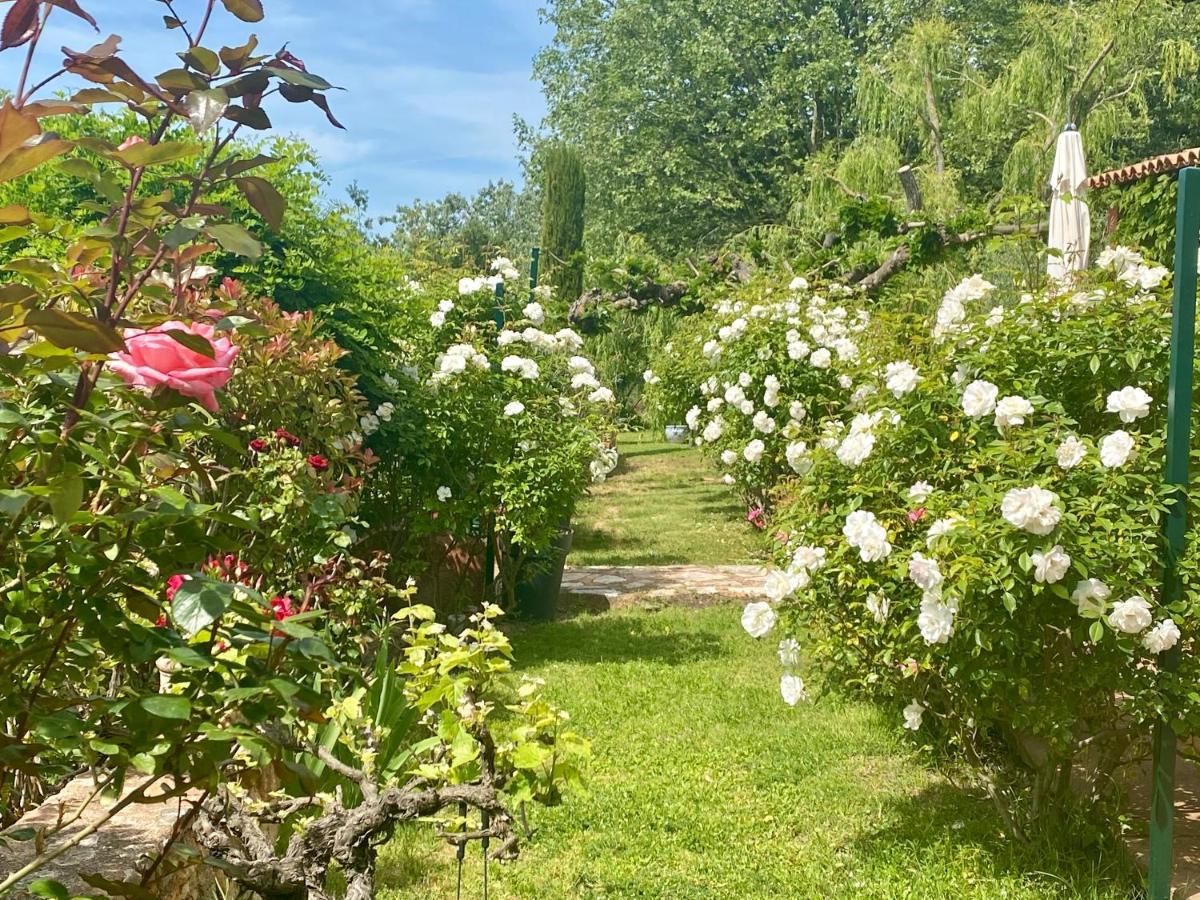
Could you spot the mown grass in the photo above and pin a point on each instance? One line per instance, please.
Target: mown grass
(704, 785)
(662, 506)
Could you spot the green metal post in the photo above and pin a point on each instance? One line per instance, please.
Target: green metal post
(534, 256)
(1179, 432)
(498, 306)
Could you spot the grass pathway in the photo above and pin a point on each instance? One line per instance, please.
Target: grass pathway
(663, 506)
(703, 783)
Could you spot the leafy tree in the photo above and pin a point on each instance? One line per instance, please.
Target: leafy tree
(562, 220)
(468, 232)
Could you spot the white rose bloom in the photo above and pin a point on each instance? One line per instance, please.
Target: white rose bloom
(714, 404)
(935, 620)
(763, 422)
(855, 449)
(1052, 566)
(515, 408)
(385, 411)
(583, 380)
(1115, 449)
(808, 558)
(650, 378)
(863, 532)
(796, 411)
(746, 407)
(744, 380)
(728, 479)
(845, 382)
(692, 417)
(601, 395)
(526, 368)
(798, 284)
(1130, 616)
(789, 653)
(568, 339)
(901, 378)
(1162, 636)
(753, 451)
(912, 715)
(758, 618)
(1032, 509)
(1130, 403)
(920, 491)
(443, 493)
(712, 431)
(820, 359)
(1151, 277)
(780, 584)
(1071, 452)
(1012, 411)
(728, 457)
(579, 364)
(1118, 259)
(369, 423)
(979, 399)
(791, 688)
(798, 458)
(437, 319)
(995, 317)
(535, 313)
(939, 528)
(924, 572)
(1091, 597)
(734, 395)
(973, 288)
(798, 351)
(878, 606)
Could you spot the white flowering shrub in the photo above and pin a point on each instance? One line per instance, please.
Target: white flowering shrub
(752, 375)
(492, 415)
(974, 536)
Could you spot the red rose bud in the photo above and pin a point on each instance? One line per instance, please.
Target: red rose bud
(258, 445)
(318, 462)
(283, 608)
(287, 437)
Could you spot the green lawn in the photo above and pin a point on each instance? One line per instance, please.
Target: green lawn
(704, 785)
(663, 505)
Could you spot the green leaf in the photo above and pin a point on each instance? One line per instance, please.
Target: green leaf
(1096, 631)
(199, 602)
(265, 199)
(197, 343)
(66, 497)
(236, 239)
(254, 117)
(530, 756)
(146, 154)
(298, 78)
(48, 887)
(12, 501)
(205, 108)
(167, 706)
(72, 330)
(203, 59)
(246, 10)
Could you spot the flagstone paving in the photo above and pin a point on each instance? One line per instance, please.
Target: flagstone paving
(618, 583)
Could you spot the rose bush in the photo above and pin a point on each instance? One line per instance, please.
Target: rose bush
(972, 535)
(185, 588)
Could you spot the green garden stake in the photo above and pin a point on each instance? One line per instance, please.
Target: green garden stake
(534, 256)
(498, 306)
(1179, 428)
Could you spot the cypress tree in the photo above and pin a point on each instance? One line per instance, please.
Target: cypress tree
(562, 220)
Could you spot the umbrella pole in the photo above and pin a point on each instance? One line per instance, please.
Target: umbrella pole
(1179, 416)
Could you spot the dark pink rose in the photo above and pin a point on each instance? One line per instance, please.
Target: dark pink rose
(916, 515)
(152, 358)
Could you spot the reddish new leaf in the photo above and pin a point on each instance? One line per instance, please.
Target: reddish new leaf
(75, 9)
(265, 199)
(18, 24)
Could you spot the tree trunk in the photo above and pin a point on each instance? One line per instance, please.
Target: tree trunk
(912, 190)
(935, 124)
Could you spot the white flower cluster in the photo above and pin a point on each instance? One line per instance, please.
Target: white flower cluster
(1130, 268)
(865, 534)
(951, 315)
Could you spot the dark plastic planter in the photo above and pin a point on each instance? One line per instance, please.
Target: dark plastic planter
(537, 594)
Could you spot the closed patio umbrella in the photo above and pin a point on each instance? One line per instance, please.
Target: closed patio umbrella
(1070, 224)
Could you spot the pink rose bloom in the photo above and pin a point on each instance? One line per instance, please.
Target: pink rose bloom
(131, 141)
(153, 358)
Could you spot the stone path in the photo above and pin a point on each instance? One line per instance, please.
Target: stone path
(617, 583)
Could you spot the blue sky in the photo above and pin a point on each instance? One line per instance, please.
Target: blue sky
(431, 85)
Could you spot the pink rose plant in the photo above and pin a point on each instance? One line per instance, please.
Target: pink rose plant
(152, 358)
